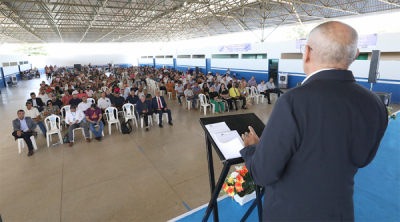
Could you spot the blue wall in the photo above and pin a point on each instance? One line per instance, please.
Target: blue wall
(246, 73)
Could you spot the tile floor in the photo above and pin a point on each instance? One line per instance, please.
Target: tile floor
(143, 176)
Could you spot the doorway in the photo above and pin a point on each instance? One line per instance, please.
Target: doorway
(273, 65)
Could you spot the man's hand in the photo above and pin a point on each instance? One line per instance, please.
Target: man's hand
(158, 109)
(19, 133)
(70, 123)
(98, 121)
(36, 120)
(250, 138)
(165, 109)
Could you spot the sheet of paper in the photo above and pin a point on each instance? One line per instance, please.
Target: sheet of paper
(229, 143)
(220, 127)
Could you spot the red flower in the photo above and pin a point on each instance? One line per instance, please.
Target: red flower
(225, 187)
(239, 179)
(230, 191)
(238, 187)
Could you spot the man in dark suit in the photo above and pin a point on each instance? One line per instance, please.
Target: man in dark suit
(160, 107)
(24, 127)
(36, 102)
(318, 135)
(144, 109)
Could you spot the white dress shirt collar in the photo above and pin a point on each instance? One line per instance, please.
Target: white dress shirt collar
(314, 74)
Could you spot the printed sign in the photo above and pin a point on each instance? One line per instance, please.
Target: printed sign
(367, 41)
(235, 47)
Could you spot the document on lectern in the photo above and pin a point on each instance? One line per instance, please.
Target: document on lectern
(228, 141)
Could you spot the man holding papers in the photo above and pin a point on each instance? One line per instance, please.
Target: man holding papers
(318, 135)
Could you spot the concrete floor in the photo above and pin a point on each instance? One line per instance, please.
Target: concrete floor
(143, 176)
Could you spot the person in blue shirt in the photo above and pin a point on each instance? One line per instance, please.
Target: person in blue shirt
(75, 101)
(132, 98)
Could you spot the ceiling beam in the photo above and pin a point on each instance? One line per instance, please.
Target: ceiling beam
(49, 18)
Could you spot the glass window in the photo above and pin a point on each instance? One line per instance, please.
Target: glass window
(225, 56)
(254, 56)
(183, 56)
(198, 56)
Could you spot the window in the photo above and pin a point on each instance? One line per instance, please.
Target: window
(149, 57)
(198, 56)
(254, 56)
(291, 56)
(26, 62)
(169, 56)
(362, 56)
(13, 63)
(143, 57)
(21, 62)
(225, 56)
(6, 64)
(159, 57)
(183, 56)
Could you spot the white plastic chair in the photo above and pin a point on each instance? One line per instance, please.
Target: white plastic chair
(169, 95)
(53, 126)
(65, 108)
(111, 118)
(204, 104)
(21, 143)
(129, 113)
(256, 94)
(250, 95)
(150, 119)
(158, 117)
(91, 100)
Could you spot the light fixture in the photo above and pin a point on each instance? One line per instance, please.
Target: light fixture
(184, 4)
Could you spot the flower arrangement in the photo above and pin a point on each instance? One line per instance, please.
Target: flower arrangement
(392, 116)
(239, 182)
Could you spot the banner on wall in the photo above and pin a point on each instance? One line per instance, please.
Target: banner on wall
(235, 47)
(367, 41)
(364, 41)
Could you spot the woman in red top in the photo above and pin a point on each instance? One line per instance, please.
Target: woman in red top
(81, 94)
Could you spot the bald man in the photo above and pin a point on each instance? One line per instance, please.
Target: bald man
(318, 135)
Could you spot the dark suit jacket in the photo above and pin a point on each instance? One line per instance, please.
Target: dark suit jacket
(317, 137)
(139, 106)
(39, 101)
(155, 102)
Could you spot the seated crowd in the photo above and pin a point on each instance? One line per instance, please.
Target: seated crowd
(90, 92)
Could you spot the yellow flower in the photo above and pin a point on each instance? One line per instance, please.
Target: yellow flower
(230, 180)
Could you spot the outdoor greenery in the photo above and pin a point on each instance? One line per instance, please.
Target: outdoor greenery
(29, 50)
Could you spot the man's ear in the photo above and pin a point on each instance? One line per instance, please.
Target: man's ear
(306, 54)
(358, 53)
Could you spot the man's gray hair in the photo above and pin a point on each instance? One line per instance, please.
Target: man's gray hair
(143, 96)
(333, 46)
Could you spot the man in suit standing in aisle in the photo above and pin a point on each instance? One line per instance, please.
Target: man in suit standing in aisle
(318, 135)
(160, 107)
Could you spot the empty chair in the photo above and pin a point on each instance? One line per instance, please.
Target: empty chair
(91, 100)
(256, 95)
(112, 119)
(129, 113)
(53, 127)
(64, 111)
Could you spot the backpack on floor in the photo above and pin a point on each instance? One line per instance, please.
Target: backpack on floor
(66, 138)
(126, 127)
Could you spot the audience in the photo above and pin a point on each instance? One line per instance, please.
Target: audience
(74, 119)
(108, 91)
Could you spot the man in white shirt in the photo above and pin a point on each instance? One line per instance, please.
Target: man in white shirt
(74, 119)
(272, 89)
(217, 86)
(84, 105)
(33, 112)
(228, 78)
(179, 91)
(140, 92)
(89, 92)
(262, 88)
(103, 103)
(190, 95)
(43, 96)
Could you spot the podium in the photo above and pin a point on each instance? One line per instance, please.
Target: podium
(240, 123)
